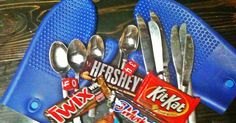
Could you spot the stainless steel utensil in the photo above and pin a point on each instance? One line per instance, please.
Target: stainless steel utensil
(95, 49)
(166, 58)
(157, 46)
(58, 61)
(146, 45)
(176, 54)
(182, 48)
(188, 58)
(182, 36)
(128, 42)
(76, 57)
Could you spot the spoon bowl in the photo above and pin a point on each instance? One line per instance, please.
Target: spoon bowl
(96, 48)
(58, 58)
(76, 55)
(129, 40)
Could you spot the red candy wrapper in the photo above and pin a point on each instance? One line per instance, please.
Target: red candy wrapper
(69, 84)
(130, 67)
(163, 99)
(79, 103)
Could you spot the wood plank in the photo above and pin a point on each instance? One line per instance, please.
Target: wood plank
(21, 19)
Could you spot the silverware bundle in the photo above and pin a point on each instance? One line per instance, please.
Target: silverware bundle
(153, 46)
(182, 48)
(155, 53)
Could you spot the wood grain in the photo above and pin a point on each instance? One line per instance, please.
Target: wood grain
(20, 19)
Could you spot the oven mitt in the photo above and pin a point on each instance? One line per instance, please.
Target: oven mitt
(35, 86)
(214, 70)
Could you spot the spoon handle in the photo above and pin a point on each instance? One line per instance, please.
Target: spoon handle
(124, 61)
(64, 92)
(77, 119)
(118, 61)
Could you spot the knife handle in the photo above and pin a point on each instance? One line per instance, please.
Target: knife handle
(192, 117)
(166, 75)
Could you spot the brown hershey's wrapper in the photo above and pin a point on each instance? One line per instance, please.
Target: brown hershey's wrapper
(77, 104)
(115, 78)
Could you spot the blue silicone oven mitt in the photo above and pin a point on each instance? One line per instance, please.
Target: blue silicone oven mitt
(35, 86)
(214, 71)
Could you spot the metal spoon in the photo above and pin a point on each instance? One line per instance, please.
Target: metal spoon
(128, 42)
(76, 57)
(95, 49)
(58, 60)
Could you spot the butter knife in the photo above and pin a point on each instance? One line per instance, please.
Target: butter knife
(146, 45)
(176, 54)
(166, 58)
(182, 35)
(188, 59)
(157, 45)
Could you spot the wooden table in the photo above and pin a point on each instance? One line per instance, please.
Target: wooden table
(20, 19)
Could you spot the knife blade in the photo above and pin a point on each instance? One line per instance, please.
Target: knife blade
(188, 58)
(176, 54)
(166, 58)
(182, 35)
(157, 45)
(146, 45)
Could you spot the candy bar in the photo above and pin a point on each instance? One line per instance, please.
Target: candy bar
(132, 111)
(165, 100)
(79, 103)
(69, 84)
(130, 67)
(115, 78)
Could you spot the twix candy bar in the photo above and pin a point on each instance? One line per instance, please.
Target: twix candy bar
(115, 78)
(165, 100)
(79, 103)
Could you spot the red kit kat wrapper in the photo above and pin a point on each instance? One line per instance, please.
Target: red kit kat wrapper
(165, 100)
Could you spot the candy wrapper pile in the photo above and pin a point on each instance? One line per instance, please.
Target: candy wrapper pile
(140, 92)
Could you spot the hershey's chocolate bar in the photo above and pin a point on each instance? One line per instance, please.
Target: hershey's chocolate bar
(115, 78)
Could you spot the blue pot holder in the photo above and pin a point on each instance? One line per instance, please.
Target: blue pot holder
(214, 71)
(35, 86)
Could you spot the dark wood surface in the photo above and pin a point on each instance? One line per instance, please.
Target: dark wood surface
(19, 20)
